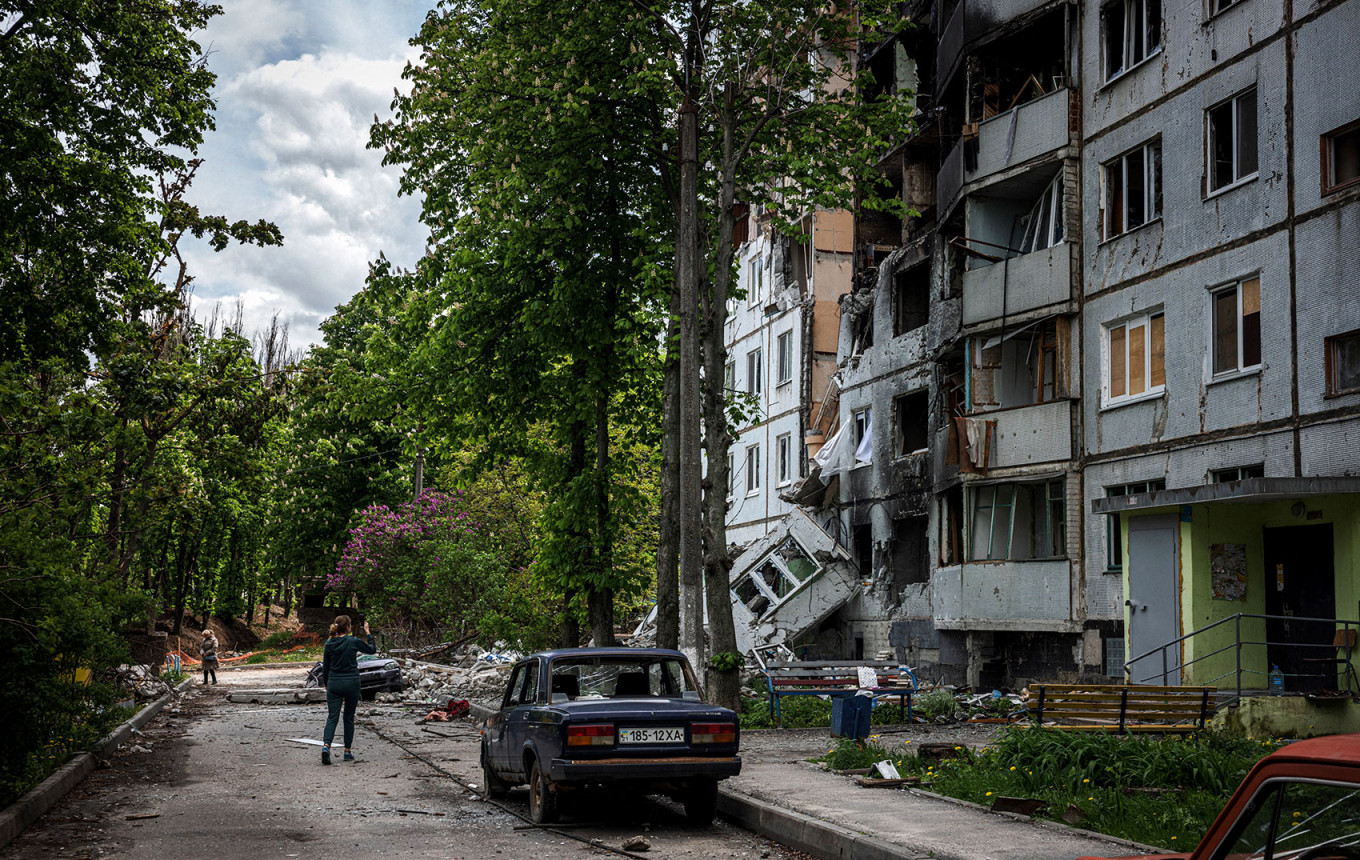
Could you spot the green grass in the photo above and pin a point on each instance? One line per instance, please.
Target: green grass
(809, 712)
(275, 640)
(1180, 783)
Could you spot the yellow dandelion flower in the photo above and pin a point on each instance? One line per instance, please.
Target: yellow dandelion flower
(1084, 781)
(989, 794)
(1012, 767)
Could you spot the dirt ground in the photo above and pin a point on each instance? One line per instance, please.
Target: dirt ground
(208, 778)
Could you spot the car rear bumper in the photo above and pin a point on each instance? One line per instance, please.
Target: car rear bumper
(644, 769)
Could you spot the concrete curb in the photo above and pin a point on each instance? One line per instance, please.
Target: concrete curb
(45, 794)
(804, 833)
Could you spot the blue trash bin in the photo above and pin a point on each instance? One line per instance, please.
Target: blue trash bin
(850, 716)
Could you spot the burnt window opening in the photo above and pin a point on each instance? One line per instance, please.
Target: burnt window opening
(1017, 521)
(1020, 368)
(1133, 32)
(862, 333)
(1132, 190)
(863, 537)
(1232, 140)
(1343, 363)
(910, 558)
(1341, 158)
(913, 422)
(1023, 66)
(911, 299)
(951, 527)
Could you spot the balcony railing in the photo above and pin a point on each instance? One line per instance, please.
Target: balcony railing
(1028, 435)
(1019, 284)
(1004, 595)
(1041, 127)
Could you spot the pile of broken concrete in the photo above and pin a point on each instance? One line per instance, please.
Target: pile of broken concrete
(471, 673)
(139, 682)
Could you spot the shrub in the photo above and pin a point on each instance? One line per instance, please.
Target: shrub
(935, 703)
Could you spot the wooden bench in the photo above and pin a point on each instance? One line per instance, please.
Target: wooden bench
(837, 678)
(1121, 708)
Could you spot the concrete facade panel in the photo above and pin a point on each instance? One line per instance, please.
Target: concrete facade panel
(1192, 47)
(1001, 594)
(1194, 402)
(1331, 449)
(1193, 220)
(1029, 131)
(1041, 433)
(1328, 299)
(1324, 47)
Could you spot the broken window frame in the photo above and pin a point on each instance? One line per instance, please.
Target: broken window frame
(1118, 358)
(900, 440)
(1131, 35)
(731, 475)
(1236, 473)
(1043, 227)
(1350, 133)
(790, 581)
(755, 281)
(1047, 340)
(911, 301)
(784, 458)
(1117, 205)
(1049, 494)
(755, 372)
(861, 424)
(1243, 159)
(1245, 327)
(784, 358)
(730, 377)
(1343, 350)
(952, 521)
(752, 469)
(1114, 537)
(1219, 6)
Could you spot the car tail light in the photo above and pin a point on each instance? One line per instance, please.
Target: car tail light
(713, 733)
(593, 735)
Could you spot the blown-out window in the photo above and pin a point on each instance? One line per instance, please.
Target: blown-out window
(1133, 189)
(1017, 521)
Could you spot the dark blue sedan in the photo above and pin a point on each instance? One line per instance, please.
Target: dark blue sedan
(580, 717)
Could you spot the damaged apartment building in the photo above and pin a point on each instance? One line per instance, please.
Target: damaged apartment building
(1117, 332)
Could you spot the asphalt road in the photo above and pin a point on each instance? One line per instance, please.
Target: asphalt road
(212, 779)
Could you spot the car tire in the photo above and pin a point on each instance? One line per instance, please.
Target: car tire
(701, 802)
(542, 799)
(367, 695)
(496, 787)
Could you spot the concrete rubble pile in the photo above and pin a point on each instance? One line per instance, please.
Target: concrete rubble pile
(140, 682)
(472, 674)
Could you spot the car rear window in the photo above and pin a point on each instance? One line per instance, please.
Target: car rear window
(620, 677)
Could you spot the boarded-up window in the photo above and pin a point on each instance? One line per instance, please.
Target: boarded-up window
(1136, 362)
(1237, 326)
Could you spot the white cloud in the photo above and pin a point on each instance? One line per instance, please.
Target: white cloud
(299, 85)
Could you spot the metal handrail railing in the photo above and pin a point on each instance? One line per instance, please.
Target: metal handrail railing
(1348, 672)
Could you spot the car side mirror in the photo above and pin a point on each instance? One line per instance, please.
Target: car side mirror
(560, 698)
(691, 695)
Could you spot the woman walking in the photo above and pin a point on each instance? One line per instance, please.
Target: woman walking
(209, 652)
(340, 676)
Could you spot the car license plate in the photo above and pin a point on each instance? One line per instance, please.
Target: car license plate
(675, 735)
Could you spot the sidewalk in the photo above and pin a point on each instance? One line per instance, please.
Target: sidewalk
(781, 795)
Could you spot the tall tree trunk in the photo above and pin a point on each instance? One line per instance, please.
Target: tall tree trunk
(687, 273)
(668, 540)
(569, 631)
(600, 603)
(724, 685)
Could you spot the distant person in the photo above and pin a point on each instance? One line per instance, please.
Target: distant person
(209, 651)
(340, 677)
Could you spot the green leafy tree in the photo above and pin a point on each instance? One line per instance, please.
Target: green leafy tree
(531, 129)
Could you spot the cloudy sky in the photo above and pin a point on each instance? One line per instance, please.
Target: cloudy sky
(298, 84)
